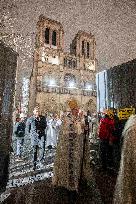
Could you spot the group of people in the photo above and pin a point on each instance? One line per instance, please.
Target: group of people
(122, 134)
(71, 164)
(109, 133)
(43, 132)
(70, 135)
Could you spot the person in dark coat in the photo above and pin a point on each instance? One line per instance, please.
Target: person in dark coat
(19, 132)
(36, 126)
(117, 143)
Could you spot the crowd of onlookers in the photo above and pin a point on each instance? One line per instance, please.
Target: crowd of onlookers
(118, 151)
(110, 135)
(44, 133)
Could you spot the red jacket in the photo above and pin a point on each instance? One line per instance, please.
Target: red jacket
(106, 129)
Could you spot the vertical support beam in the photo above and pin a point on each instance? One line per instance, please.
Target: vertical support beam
(94, 48)
(105, 86)
(33, 84)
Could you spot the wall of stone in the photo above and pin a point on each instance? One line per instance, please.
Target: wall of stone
(8, 64)
(53, 102)
(122, 85)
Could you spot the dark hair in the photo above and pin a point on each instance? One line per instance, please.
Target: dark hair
(106, 116)
(17, 119)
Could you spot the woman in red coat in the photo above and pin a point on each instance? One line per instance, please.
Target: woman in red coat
(106, 129)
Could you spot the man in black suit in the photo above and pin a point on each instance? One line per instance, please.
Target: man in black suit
(36, 126)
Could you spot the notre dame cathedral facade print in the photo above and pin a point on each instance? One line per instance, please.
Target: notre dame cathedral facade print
(58, 76)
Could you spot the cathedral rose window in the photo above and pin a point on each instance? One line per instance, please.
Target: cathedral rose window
(70, 63)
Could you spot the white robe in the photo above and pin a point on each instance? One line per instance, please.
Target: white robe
(58, 123)
(51, 138)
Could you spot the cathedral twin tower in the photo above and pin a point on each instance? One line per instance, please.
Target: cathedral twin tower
(59, 77)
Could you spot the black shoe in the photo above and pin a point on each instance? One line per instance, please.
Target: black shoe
(50, 147)
(72, 197)
(19, 158)
(34, 167)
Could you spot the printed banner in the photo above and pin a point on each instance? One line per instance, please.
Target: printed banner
(125, 113)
